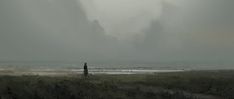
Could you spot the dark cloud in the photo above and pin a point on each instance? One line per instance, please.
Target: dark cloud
(201, 31)
(193, 30)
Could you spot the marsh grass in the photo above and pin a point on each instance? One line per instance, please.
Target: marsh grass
(184, 85)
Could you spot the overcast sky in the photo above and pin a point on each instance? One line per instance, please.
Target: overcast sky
(117, 30)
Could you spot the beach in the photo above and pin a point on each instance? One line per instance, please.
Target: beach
(66, 72)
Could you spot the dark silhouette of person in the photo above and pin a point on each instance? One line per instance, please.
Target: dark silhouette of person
(85, 70)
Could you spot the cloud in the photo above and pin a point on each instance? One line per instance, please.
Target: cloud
(157, 30)
(123, 18)
(193, 30)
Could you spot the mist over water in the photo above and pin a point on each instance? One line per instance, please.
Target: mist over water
(151, 31)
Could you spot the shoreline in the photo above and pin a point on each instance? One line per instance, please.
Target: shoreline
(65, 72)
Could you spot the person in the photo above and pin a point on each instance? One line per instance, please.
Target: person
(85, 70)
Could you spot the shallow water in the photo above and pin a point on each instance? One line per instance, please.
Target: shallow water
(54, 72)
(69, 68)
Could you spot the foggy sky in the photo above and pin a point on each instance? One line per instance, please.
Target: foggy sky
(117, 30)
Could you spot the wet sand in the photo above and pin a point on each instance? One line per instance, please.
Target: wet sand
(65, 72)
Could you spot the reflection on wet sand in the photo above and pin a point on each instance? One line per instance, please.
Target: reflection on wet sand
(64, 72)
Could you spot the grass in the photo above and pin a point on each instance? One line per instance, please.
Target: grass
(183, 85)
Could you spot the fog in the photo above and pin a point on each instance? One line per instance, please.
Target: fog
(117, 30)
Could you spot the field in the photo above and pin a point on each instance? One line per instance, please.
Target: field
(181, 85)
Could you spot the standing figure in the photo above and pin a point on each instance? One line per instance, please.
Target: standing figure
(86, 70)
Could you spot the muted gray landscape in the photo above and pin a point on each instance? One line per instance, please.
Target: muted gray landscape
(116, 49)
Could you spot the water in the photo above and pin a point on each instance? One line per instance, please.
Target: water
(64, 68)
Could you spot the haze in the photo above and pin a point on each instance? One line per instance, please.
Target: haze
(117, 30)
